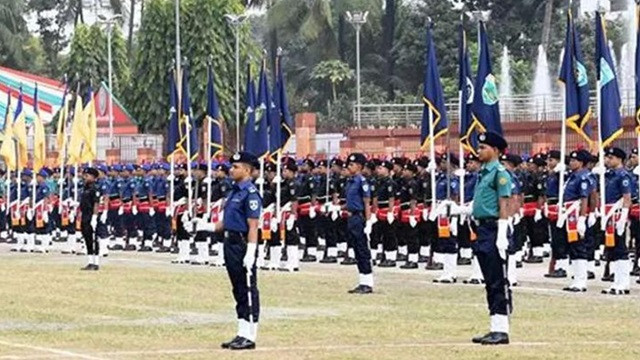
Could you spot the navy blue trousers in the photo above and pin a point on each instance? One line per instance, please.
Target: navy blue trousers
(493, 269)
(355, 227)
(235, 247)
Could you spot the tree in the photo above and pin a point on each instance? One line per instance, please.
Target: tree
(13, 32)
(334, 71)
(52, 18)
(132, 12)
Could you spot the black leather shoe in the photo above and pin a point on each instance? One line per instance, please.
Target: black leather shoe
(386, 263)
(473, 281)
(434, 266)
(349, 261)
(329, 260)
(496, 338)
(130, 248)
(117, 247)
(574, 289)
(608, 278)
(590, 275)
(409, 265)
(464, 261)
(557, 274)
(533, 260)
(163, 250)
(478, 339)
(89, 267)
(342, 254)
(225, 345)
(242, 344)
(145, 249)
(635, 272)
(518, 264)
(309, 258)
(361, 289)
(402, 257)
(423, 259)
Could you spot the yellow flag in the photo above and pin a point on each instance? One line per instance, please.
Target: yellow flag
(39, 144)
(8, 148)
(20, 133)
(89, 131)
(75, 142)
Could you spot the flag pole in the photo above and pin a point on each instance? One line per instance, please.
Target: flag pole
(603, 224)
(63, 156)
(209, 170)
(563, 130)
(461, 103)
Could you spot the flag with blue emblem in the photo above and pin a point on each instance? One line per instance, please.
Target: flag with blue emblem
(173, 135)
(573, 74)
(187, 123)
(610, 119)
(486, 107)
(214, 119)
(468, 125)
(250, 123)
(281, 118)
(434, 114)
(256, 136)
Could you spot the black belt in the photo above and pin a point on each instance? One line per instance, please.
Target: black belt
(552, 201)
(114, 197)
(358, 212)
(161, 198)
(235, 235)
(486, 221)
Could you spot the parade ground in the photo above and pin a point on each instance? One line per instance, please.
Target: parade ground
(140, 306)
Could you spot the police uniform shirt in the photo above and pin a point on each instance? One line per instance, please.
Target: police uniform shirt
(288, 191)
(115, 187)
(243, 203)
(103, 186)
(128, 189)
(552, 188)
(494, 182)
(516, 183)
(470, 181)
(306, 188)
(373, 185)
(179, 188)
(220, 188)
(25, 191)
(408, 192)
(617, 184)
(385, 191)
(441, 186)
(357, 189)
(424, 182)
(578, 186)
(90, 197)
(143, 187)
(42, 191)
(160, 187)
(323, 193)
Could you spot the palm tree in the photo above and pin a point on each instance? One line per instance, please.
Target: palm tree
(12, 32)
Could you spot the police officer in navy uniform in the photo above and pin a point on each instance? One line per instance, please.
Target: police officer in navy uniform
(240, 224)
(490, 211)
(358, 196)
(89, 217)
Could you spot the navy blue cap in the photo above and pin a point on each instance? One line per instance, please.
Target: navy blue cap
(615, 151)
(27, 172)
(493, 139)
(337, 162)
(357, 158)
(245, 157)
(323, 163)
(102, 167)
(512, 158)
(271, 167)
(165, 166)
(410, 167)
(91, 171)
(581, 155)
(309, 163)
(222, 167)
(44, 172)
(291, 166)
(554, 154)
(387, 164)
(471, 157)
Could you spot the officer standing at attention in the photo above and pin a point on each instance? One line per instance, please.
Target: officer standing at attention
(491, 210)
(240, 224)
(358, 196)
(89, 221)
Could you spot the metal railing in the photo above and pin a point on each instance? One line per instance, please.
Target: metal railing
(517, 108)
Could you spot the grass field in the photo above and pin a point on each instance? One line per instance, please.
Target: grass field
(139, 306)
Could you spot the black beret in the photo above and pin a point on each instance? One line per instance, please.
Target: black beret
(398, 161)
(203, 166)
(493, 139)
(92, 171)
(371, 164)
(554, 154)
(453, 159)
(538, 160)
(337, 162)
(182, 166)
(423, 162)
(634, 151)
(291, 166)
(322, 163)
(615, 151)
(387, 164)
(472, 157)
(357, 158)
(245, 158)
(270, 167)
(222, 167)
(410, 167)
(309, 163)
(512, 158)
(581, 155)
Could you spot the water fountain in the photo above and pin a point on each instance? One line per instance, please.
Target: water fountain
(541, 90)
(505, 81)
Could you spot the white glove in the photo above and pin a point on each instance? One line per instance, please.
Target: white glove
(582, 225)
(170, 177)
(335, 212)
(561, 167)
(390, 217)
(432, 166)
(45, 217)
(454, 209)
(274, 224)
(103, 217)
(291, 220)
(373, 219)
(76, 180)
(598, 170)
(259, 181)
(169, 211)
(425, 214)
(152, 211)
(538, 215)
(412, 221)
(32, 182)
(72, 216)
(312, 212)
(198, 224)
(276, 179)
(94, 222)
(3, 207)
(60, 182)
(367, 228)
(561, 219)
(621, 225)
(516, 219)
(206, 216)
(120, 210)
(134, 210)
(250, 257)
(453, 226)
(188, 180)
(437, 210)
(459, 173)
(188, 225)
(207, 180)
(30, 214)
(502, 242)
(591, 220)
(636, 171)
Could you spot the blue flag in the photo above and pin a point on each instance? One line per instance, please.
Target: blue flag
(573, 74)
(468, 125)
(275, 135)
(486, 107)
(213, 116)
(637, 68)
(187, 123)
(283, 119)
(433, 98)
(610, 119)
(173, 136)
(256, 136)
(250, 123)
